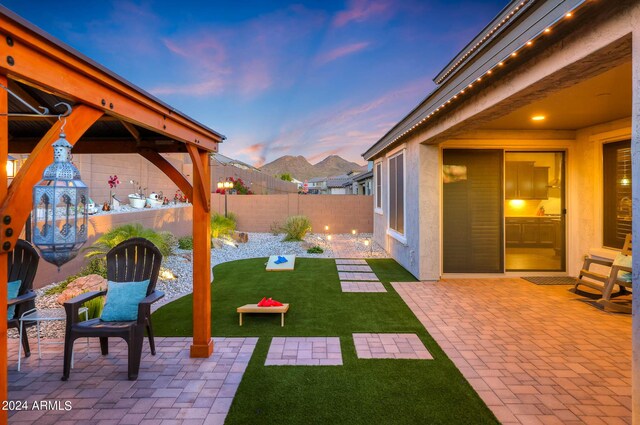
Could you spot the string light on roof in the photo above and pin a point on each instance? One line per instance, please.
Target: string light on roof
(484, 39)
(488, 72)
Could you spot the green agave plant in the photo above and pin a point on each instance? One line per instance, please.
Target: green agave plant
(163, 240)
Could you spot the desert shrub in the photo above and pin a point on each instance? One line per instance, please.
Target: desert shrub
(296, 227)
(185, 242)
(276, 228)
(163, 240)
(95, 266)
(95, 307)
(222, 226)
(315, 250)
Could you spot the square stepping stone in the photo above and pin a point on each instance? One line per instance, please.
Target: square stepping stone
(362, 287)
(304, 351)
(350, 261)
(357, 276)
(352, 268)
(390, 346)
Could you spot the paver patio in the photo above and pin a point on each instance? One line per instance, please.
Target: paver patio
(171, 385)
(390, 346)
(535, 354)
(362, 287)
(357, 276)
(304, 351)
(354, 268)
(350, 261)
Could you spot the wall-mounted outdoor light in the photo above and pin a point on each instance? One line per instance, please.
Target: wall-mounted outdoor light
(12, 167)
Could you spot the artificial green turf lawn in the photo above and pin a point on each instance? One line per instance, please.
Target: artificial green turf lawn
(362, 391)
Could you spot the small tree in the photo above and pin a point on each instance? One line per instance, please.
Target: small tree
(286, 177)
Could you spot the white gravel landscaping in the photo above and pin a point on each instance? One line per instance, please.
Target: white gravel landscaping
(180, 264)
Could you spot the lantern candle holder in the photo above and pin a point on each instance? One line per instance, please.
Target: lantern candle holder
(60, 208)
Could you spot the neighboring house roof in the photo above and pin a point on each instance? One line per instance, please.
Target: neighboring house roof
(509, 32)
(225, 160)
(363, 176)
(339, 181)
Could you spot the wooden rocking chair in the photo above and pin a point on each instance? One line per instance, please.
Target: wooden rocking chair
(605, 283)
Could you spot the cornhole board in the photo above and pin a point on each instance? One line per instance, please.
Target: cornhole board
(253, 308)
(288, 266)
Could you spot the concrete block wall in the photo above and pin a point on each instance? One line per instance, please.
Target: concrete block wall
(257, 213)
(96, 169)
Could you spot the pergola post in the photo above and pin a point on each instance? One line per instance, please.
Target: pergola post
(202, 343)
(635, 171)
(4, 147)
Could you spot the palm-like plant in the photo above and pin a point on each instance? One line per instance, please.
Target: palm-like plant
(163, 240)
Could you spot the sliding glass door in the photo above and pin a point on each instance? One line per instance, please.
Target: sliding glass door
(503, 211)
(534, 211)
(473, 221)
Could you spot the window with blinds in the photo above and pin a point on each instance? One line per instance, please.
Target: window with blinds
(396, 193)
(617, 197)
(379, 185)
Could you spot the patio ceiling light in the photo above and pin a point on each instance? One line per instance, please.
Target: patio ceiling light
(538, 118)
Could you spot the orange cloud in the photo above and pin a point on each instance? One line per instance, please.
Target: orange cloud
(341, 51)
(360, 11)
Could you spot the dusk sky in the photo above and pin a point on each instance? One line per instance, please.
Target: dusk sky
(310, 78)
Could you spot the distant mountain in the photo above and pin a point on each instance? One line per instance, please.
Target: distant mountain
(301, 169)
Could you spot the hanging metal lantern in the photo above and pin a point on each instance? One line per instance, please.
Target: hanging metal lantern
(60, 214)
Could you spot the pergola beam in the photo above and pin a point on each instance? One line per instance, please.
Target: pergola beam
(72, 76)
(18, 203)
(132, 130)
(200, 168)
(169, 170)
(102, 146)
(32, 101)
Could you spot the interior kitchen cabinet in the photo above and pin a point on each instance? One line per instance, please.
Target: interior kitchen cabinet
(523, 180)
(540, 232)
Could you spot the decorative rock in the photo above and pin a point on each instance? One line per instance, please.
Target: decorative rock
(92, 282)
(216, 243)
(240, 237)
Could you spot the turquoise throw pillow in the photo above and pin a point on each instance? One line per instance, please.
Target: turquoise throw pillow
(12, 291)
(625, 261)
(122, 300)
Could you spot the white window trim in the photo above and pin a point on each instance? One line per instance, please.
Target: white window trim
(391, 232)
(376, 209)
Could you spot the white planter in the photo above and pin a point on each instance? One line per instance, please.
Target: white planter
(137, 202)
(154, 202)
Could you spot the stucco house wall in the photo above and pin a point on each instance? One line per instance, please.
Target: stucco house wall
(585, 52)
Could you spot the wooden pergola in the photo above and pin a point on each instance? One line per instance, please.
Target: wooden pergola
(110, 115)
